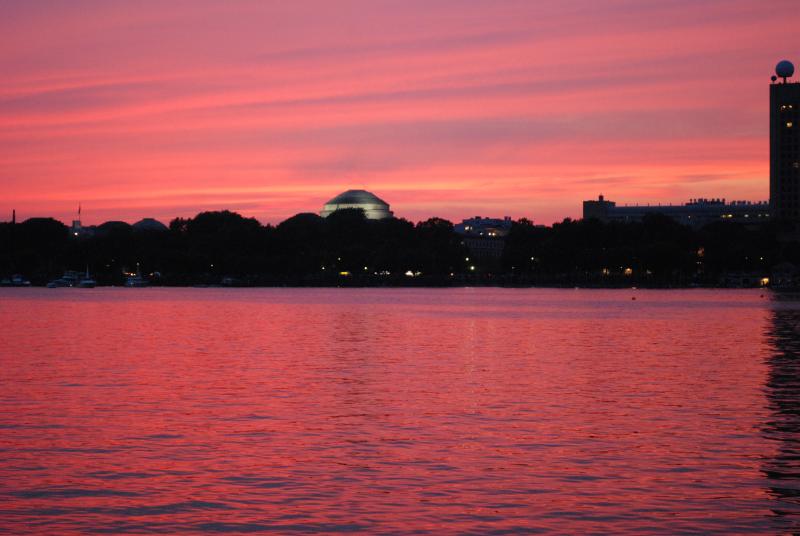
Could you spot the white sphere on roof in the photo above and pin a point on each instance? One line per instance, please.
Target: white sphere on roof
(784, 69)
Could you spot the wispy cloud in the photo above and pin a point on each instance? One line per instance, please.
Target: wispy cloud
(444, 107)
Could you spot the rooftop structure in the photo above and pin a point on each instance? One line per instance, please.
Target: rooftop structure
(374, 207)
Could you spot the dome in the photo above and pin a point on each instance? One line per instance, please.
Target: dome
(373, 206)
(784, 69)
(149, 224)
(115, 227)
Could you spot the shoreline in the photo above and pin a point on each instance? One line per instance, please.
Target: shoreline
(431, 286)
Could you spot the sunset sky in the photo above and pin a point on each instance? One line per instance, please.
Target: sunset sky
(449, 108)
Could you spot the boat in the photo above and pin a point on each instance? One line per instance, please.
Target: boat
(87, 281)
(19, 281)
(15, 280)
(136, 281)
(72, 278)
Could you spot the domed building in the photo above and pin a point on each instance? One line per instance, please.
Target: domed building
(374, 207)
(150, 225)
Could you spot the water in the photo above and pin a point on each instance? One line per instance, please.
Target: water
(486, 411)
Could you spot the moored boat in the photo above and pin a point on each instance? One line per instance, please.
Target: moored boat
(87, 281)
(72, 278)
(15, 280)
(136, 281)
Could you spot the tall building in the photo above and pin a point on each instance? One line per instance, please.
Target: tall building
(784, 150)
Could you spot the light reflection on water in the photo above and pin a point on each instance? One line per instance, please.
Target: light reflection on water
(424, 410)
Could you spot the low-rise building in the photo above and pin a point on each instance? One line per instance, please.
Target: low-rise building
(484, 237)
(696, 213)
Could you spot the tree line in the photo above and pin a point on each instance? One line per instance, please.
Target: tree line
(346, 248)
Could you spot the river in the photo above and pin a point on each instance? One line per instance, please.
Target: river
(485, 411)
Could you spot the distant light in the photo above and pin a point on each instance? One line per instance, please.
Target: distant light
(764, 281)
(409, 273)
(466, 259)
(628, 271)
(365, 268)
(344, 273)
(472, 268)
(789, 124)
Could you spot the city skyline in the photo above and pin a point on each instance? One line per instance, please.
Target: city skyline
(444, 110)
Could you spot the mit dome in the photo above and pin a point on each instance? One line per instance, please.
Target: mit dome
(373, 206)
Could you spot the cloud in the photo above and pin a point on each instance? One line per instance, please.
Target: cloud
(524, 107)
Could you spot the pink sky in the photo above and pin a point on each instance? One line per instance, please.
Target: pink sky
(443, 108)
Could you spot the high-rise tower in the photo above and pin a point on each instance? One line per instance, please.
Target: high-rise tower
(784, 151)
